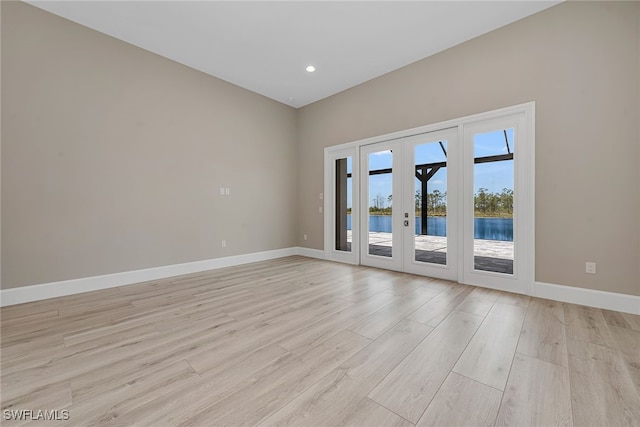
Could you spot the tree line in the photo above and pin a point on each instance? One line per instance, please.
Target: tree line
(486, 203)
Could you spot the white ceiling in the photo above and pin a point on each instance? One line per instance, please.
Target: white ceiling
(264, 46)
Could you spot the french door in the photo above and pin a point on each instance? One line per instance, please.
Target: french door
(498, 204)
(455, 203)
(406, 212)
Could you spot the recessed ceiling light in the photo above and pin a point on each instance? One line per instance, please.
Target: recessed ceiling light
(311, 69)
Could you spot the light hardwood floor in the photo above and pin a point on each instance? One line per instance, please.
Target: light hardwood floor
(297, 341)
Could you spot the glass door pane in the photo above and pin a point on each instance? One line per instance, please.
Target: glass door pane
(493, 186)
(430, 193)
(343, 204)
(430, 196)
(380, 207)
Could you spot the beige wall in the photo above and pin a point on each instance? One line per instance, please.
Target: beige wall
(112, 157)
(579, 61)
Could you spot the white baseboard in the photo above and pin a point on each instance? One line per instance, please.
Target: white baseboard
(43, 291)
(592, 298)
(311, 253)
(12, 296)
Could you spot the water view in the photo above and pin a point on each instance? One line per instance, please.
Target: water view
(484, 228)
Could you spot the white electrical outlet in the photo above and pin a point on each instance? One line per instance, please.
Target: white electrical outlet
(223, 243)
(304, 237)
(590, 268)
(222, 191)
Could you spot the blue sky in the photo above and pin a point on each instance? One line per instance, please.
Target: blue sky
(497, 175)
(492, 176)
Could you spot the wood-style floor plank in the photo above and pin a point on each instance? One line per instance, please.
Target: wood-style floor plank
(462, 402)
(371, 364)
(479, 301)
(622, 320)
(409, 388)
(439, 307)
(314, 333)
(132, 395)
(500, 328)
(299, 341)
(181, 403)
(263, 334)
(543, 332)
(514, 299)
(537, 394)
(55, 396)
(369, 413)
(587, 324)
(384, 319)
(326, 403)
(10, 324)
(602, 392)
(269, 391)
(14, 312)
(628, 341)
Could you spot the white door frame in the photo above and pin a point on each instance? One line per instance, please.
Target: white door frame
(330, 157)
(395, 261)
(525, 171)
(521, 281)
(448, 271)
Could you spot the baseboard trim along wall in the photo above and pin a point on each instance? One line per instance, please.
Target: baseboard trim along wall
(311, 253)
(12, 296)
(589, 297)
(43, 291)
